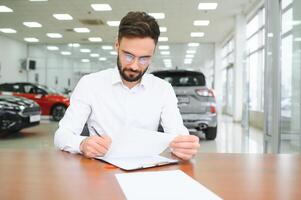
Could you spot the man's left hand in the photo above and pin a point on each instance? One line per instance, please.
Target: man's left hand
(185, 146)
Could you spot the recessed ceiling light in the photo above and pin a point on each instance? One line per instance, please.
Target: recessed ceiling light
(95, 39)
(191, 51)
(85, 50)
(201, 22)
(207, 6)
(187, 61)
(163, 39)
(197, 34)
(81, 30)
(165, 53)
(32, 24)
(157, 15)
(37, 0)
(5, 9)
(94, 55)
(101, 7)
(54, 35)
(113, 52)
(74, 45)
(167, 61)
(107, 47)
(102, 59)
(113, 23)
(193, 44)
(62, 16)
(189, 56)
(85, 60)
(66, 53)
(8, 30)
(163, 29)
(52, 48)
(31, 39)
(163, 47)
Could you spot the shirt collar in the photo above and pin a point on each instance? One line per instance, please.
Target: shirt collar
(117, 79)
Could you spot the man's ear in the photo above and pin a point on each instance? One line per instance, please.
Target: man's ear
(116, 45)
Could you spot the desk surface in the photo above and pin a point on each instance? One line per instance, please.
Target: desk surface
(38, 174)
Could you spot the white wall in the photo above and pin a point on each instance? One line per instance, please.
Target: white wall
(11, 54)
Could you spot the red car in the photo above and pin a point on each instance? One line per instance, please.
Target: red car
(51, 102)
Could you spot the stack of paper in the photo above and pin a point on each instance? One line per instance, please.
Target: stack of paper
(163, 185)
(138, 148)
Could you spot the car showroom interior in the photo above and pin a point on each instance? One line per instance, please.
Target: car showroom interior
(227, 79)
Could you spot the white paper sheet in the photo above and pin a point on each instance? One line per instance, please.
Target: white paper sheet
(162, 185)
(139, 142)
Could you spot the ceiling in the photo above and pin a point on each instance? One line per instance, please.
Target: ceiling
(179, 17)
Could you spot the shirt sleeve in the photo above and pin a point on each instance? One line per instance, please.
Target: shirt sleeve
(67, 137)
(171, 119)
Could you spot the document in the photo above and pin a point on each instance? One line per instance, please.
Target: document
(138, 148)
(162, 185)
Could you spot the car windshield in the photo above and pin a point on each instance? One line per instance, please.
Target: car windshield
(48, 89)
(182, 79)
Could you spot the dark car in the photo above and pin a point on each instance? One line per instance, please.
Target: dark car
(196, 101)
(17, 113)
(52, 102)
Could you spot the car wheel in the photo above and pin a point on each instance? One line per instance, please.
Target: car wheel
(210, 133)
(58, 112)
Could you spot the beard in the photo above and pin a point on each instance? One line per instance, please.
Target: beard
(129, 74)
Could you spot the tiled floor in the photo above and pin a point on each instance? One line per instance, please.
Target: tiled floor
(230, 138)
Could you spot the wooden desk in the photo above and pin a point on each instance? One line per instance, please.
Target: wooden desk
(38, 174)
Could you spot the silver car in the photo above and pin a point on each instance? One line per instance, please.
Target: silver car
(196, 102)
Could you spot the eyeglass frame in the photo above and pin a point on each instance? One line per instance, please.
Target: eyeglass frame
(129, 58)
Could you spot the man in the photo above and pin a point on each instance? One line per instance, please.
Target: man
(125, 96)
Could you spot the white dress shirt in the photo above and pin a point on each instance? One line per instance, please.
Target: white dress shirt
(102, 100)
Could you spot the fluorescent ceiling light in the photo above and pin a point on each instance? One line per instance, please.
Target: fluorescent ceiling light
(54, 35)
(31, 39)
(296, 22)
(95, 39)
(165, 53)
(191, 51)
(189, 56)
(5, 9)
(101, 7)
(102, 59)
(163, 39)
(197, 34)
(193, 44)
(74, 45)
(107, 47)
(201, 22)
(8, 30)
(37, 0)
(187, 61)
(81, 30)
(85, 50)
(163, 29)
(85, 60)
(32, 24)
(52, 48)
(113, 23)
(66, 53)
(207, 6)
(94, 55)
(62, 16)
(157, 15)
(113, 52)
(167, 61)
(163, 47)
(297, 39)
(270, 35)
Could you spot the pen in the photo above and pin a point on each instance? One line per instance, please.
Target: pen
(96, 131)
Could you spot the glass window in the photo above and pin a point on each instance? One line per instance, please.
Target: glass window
(287, 19)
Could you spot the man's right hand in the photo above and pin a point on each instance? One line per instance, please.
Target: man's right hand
(95, 146)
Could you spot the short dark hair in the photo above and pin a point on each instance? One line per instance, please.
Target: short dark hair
(139, 24)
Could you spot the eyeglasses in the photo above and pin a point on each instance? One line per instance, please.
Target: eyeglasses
(130, 58)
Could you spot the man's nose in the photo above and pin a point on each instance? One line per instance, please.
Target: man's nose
(135, 64)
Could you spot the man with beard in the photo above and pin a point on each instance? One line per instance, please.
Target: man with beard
(124, 96)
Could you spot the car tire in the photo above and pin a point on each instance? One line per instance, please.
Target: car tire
(210, 133)
(58, 112)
